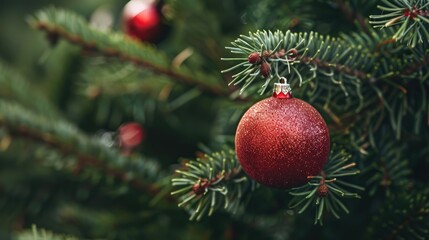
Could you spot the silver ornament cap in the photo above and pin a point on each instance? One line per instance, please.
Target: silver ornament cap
(282, 89)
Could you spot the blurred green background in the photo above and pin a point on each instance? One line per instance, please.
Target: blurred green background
(27, 50)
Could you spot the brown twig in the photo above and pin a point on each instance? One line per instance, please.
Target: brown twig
(293, 55)
(201, 186)
(338, 67)
(384, 43)
(91, 47)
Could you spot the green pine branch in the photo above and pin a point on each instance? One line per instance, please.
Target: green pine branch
(216, 182)
(300, 57)
(405, 216)
(325, 192)
(351, 63)
(388, 169)
(418, 66)
(58, 23)
(211, 183)
(114, 78)
(325, 70)
(409, 18)
(111, 79)
(15, 88)
(85, 152)
(392, 60)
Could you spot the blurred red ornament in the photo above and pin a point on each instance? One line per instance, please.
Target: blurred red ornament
(142, 19)
(130, 135)
(282, 140)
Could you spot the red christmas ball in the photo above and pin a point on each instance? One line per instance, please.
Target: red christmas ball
(142, 19)
(130, 135)
(281, 140)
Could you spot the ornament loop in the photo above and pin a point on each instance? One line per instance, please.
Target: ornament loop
(283, 80)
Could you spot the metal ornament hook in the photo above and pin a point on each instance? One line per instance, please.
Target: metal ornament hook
(283, 80)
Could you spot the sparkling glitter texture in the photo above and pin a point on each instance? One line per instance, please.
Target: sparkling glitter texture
(279, 142)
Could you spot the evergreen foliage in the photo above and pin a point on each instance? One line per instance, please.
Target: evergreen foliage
(363, 64)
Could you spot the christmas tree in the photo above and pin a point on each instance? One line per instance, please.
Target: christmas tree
(183, 119)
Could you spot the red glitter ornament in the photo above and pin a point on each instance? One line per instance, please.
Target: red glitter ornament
(282, 140)
(130, 135)
(142, 19)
